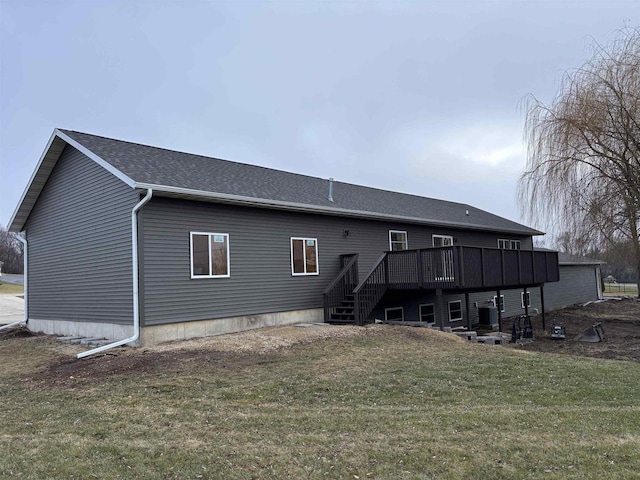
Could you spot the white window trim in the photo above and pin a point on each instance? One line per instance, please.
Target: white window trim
(209, 234)
(522, 299)
(434, 236)
(495, 298)
(507, 244)
(406, 239)
(434, 312)
(386, 311)
(304, 251)
(461, 312)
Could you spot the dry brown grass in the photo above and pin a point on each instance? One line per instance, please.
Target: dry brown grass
(319, 402)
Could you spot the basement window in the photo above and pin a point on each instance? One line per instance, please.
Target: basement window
(304, 256)
(428, 313)
(209, 255)
(395, 314)
(455, 310)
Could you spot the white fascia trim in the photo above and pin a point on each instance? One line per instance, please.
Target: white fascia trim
(595, 263)
(302, 207)
(33, 177)
(106, 165)
(58, 134)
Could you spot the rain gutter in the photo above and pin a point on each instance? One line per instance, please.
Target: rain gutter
(134, 262)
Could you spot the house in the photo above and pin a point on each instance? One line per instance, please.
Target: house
(143, 244)
(580, 282)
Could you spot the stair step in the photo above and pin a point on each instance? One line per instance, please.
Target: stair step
(345, 310)
(335, 321)
(342, 316)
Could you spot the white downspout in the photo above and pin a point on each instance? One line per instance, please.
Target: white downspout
(24, 281)
(134, 262)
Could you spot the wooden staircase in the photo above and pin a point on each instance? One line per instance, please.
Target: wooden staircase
(345, 313)
(348, 301)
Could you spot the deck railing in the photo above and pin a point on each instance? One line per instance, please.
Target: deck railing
(336, 293)
(453, 268)
(371, 289)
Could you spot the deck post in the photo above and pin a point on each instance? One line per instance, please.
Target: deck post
(356, 308)
(466, 301)
(525, 303)
(440, 308)
(325, 302)
(460, 260)
(544, 324)
(499, 310)
(386, 270)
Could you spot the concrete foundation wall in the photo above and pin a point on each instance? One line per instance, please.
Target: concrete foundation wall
(205, 328)
(175, 331)
(110, 331)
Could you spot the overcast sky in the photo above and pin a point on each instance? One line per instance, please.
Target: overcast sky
(418, 97)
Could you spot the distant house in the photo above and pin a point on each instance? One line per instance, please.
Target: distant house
(125, 237)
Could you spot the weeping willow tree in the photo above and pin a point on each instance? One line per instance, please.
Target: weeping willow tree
(582, 175)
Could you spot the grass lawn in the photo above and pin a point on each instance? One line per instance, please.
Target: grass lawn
(10, 287)
(389, 403)
(621, 290)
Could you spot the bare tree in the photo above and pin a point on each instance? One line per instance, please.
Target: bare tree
(10, 252)
(583, 151)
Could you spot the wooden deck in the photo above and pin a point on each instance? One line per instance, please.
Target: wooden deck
(455, 268)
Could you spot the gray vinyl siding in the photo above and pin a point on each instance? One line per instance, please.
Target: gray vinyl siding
(79, 235)
(260, 257)
(578, 284)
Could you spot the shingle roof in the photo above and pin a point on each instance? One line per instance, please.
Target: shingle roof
(196, 175)
(569, 259)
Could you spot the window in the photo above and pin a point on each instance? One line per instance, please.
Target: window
(442, 240)
(506, 244)
(444, 267)
(395, 314)
(398, 240)
(209, 255)
(501, 302)
(304, 256)
(455, 310)
(522, 299)
(428, 313)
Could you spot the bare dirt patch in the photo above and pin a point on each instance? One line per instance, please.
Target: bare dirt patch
(620, 320)
(220, 352)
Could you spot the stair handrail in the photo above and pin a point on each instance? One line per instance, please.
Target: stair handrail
(338, 289)
(341, 274)
(361, 311)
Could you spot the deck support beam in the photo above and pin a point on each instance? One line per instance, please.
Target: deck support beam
(466, 306)
(544, 323)
(499, 310)
(440, 309)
